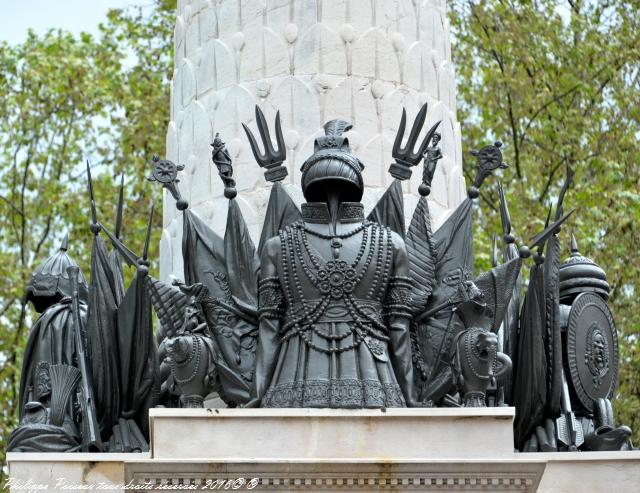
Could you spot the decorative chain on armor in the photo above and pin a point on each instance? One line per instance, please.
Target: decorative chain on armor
(336, 281)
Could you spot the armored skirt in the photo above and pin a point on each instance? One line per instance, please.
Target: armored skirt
(332, 366)
(334, 333)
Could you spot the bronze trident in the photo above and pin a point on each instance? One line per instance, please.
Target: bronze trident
(272, 159)
(405, 156)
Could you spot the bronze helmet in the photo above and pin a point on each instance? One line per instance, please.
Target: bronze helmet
(50, 282)
(333, 164)
(579, 274)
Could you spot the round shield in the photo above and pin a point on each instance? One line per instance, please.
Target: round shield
(592, 349)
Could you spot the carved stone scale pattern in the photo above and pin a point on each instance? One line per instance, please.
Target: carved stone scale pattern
(360, 60)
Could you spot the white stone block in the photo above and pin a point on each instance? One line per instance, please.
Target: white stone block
(66, 472)
(588, 472)
(526, 472)
(331, 434)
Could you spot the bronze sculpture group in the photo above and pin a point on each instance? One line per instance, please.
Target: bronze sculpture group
(331, 309)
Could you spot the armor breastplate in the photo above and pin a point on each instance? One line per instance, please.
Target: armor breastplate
(350, 292)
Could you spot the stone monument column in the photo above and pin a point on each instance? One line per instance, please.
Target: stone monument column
(314, 60)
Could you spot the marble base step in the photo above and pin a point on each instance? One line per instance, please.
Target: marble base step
(329, 450)
(393, 434)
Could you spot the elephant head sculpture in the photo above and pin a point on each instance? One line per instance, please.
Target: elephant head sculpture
(189, 354)
(478, 364)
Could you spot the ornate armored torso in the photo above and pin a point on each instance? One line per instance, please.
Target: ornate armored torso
(342, 277)
(335, 289)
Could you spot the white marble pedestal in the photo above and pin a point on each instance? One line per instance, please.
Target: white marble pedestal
(331, 434)
(330, 450)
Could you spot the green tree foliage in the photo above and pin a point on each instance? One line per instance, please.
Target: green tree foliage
(63, 99)
(559, 83)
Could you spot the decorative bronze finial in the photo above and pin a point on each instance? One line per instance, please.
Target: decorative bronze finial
(574, 246)
(64, 246)
(405, 156)
(272, 158)
(488, 159)
(222, 160)
(166, 173)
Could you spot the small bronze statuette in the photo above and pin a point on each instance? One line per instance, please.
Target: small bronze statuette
(432, 155)
(478, 364)
(191, 359)
(222, 160)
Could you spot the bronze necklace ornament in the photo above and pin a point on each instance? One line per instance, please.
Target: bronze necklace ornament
(336, 281)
